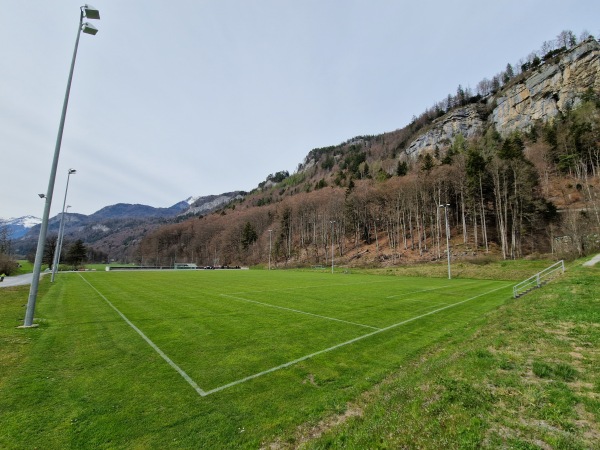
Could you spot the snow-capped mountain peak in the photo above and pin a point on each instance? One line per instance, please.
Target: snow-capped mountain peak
(192, 200)
(19, 226)
(25, 221)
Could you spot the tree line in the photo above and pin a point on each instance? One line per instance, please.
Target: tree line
(501, 191)
(73, 254)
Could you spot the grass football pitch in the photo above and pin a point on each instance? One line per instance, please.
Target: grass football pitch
(219, 358)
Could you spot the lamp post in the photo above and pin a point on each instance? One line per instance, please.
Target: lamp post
(445, 206)
(61, 230)
(88, 12)
(270, 234)
(59, 244)
(332, 222)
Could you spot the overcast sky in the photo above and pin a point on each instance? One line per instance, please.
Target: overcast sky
(198, 97)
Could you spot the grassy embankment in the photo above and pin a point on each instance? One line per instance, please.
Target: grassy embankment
(527, 378)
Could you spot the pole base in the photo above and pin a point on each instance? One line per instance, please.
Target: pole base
(33, 325)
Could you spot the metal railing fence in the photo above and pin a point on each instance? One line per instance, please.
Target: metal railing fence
(538, 279)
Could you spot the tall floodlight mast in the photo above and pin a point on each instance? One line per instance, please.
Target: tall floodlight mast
(89, 12)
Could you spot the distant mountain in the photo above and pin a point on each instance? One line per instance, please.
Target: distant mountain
(20, 226)
(116, 226)
(125, 210)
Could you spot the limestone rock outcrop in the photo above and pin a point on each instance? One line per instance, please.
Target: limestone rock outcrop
(556, 86)
(553, 88)
(466, 121)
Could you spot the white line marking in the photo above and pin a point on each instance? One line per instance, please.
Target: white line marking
(298, 311)
(432, 305)
(185, 376)
(351, 341)
(417, 292)
(295, 288)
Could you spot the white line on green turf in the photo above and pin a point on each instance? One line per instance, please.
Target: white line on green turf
(298, 311)
(185, 376)
(351, 341)
(417, 292)
(295, 288)
(429, 306)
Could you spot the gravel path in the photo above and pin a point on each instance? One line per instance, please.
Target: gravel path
(592, 262)
(17, 280)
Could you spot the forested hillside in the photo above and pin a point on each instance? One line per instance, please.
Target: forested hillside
(517, 166)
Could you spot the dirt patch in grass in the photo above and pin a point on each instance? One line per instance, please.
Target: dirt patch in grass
(305, 434)
(310, 379)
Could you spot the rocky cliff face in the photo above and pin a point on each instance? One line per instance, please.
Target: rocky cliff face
(466, 121)
(554, 87)
(209, 203)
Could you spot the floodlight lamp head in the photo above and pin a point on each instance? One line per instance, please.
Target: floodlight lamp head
(72, 171)
(90, 12)
(88, 28)
(42, 195)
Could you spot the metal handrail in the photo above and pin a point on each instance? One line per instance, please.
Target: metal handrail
(537, 279)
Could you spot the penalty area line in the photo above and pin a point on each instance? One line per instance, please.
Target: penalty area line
(343, 344)
(298, 311)
(179, 370)
(418, 292)
(296, 288)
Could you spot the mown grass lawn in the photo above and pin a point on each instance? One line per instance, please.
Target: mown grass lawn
(527, 378)
(284, 358)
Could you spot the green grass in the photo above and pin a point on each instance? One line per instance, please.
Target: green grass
(527, 378)
(481, 268)
(86, 378)
(25, 267)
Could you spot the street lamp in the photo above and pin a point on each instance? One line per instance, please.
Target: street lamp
(61, 230)
(270, 234)
(88, 12)
(447, 238)
(332, 222)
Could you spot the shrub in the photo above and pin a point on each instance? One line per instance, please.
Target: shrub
(7, 265)
(321, 184)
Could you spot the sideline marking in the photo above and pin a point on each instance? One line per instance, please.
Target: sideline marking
(298, 311)
(351, 341)
(185, 376)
